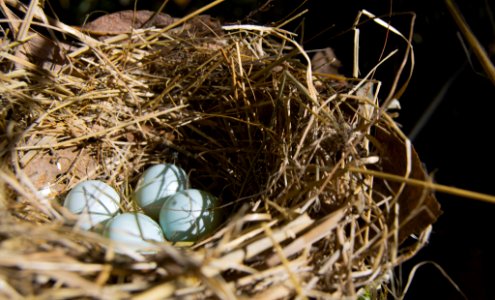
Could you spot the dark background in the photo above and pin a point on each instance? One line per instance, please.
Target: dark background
(455, 144)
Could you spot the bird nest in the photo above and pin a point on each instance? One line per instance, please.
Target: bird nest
(308, 166)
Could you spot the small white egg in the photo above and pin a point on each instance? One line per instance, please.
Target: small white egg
(189, 215)
(94, 201)
(156, 183)
(134, 232)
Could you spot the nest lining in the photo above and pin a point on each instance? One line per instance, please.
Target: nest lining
(241, 110)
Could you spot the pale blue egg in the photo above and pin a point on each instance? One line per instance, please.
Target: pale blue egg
(156, 183)
(189, 215)
(134, 232)
(94, 201)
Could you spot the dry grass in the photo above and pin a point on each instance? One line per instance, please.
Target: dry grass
(294, 157)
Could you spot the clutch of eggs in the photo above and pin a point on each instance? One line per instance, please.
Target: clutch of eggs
(94, 201)
(162, 192)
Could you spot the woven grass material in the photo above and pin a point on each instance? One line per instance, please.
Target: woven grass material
(240, 109)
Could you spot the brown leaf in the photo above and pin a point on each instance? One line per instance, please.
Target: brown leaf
(124, 21)
(43, 52)
(325, 61)
(46, 53)
(418, 208)
(45, 168)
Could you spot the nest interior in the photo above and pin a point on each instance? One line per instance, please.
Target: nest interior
(241, 109)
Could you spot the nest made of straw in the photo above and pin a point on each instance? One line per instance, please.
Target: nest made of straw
(285, 149)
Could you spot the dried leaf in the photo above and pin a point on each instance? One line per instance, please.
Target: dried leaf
(43, 52)
(418, 208)
(325, 61)
(45, 168)
(124, 21)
